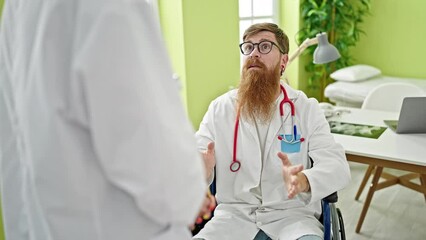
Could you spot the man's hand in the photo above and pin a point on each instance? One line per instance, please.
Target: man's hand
(294, 179)
(209, 204)
(209, 159)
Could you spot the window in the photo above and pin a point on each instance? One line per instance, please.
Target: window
(257, 11)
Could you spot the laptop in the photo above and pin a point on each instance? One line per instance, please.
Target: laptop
(412, 118)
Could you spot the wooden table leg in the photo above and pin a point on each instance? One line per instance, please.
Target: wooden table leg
(423, 183)
(364, 181)
(370, 194)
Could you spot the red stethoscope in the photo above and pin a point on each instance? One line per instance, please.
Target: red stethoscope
(236, 164)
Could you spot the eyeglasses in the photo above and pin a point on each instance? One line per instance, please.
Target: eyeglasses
(263, 47)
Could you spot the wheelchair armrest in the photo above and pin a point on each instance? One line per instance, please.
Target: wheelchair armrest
(328, 211)
(332, 198)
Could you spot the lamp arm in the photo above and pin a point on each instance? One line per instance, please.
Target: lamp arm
(308, 42)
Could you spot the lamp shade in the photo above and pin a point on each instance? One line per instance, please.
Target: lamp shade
(325, 52)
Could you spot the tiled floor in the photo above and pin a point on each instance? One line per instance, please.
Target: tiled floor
(395, 212)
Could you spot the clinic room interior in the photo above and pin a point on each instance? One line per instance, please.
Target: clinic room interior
(202, 38)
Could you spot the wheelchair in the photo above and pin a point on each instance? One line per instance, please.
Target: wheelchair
(331, 217)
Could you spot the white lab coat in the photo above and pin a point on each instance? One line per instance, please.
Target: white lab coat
(240, 214)
(95, 143)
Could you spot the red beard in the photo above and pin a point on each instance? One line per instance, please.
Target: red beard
(258, 89)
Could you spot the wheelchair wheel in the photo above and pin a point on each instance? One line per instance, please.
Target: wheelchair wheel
(335, 228)
(341, 224)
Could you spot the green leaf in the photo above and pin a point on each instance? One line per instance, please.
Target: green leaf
(313, 3)
(341, 17)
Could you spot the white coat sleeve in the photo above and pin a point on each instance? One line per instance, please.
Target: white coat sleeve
(141, 135)
(206, 133)
(330, 171)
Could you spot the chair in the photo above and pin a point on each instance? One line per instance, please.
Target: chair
(331, 217)
(388, 97)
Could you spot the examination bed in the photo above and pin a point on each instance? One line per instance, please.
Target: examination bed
(353, 93)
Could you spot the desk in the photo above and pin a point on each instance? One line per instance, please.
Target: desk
(398, 151)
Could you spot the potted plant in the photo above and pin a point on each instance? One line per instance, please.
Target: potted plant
(341, 20)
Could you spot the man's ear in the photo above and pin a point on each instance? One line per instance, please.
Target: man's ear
(284, 61)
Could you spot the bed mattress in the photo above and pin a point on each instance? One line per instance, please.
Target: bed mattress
(352, 94)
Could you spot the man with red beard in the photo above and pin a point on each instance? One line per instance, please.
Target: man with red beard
(272, 150)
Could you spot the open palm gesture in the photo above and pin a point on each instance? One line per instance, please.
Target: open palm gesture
(294, 179)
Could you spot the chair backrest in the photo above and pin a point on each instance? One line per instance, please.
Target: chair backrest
(389, 96)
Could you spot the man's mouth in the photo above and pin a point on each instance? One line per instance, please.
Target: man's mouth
(254, 66)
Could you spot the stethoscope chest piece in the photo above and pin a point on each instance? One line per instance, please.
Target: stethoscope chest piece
(235, 166)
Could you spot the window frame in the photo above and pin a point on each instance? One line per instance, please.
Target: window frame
(274, 16)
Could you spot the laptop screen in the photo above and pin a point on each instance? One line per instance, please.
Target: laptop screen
(412, 118)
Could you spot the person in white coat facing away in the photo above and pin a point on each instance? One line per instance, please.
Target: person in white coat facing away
(274, 155)
(95, 143)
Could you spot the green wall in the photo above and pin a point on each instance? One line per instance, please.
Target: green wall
(1, 6)
(290, 23)
(172, 25)
(396, 37)
(202, 39)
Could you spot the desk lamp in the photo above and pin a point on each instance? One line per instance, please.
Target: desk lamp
(324, 53)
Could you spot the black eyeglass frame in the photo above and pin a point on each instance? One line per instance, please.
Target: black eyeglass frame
(258, 49)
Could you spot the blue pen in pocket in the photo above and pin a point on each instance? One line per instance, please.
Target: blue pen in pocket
(290, 143)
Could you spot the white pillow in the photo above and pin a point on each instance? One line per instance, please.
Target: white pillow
(355, 73)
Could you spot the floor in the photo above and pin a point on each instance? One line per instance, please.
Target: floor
(395, 212)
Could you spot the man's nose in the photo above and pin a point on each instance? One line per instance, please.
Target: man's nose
(255, 52)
